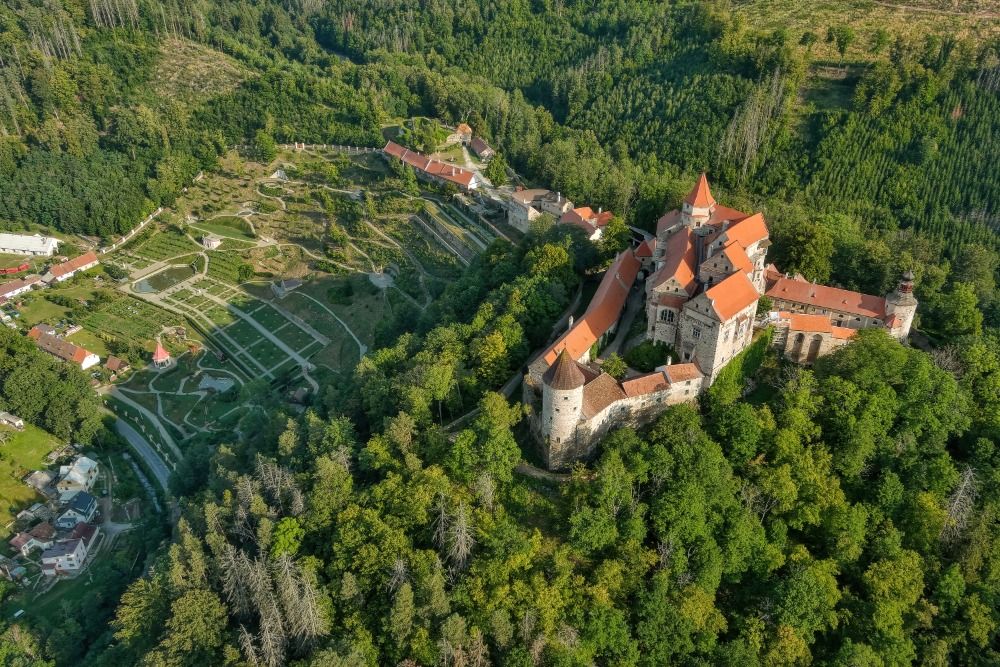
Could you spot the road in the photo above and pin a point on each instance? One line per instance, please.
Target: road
(159, 469)
(152, 418)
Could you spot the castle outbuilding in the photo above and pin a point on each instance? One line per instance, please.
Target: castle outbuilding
(707, 271)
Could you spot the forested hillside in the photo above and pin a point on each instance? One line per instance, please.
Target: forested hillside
(843, 515)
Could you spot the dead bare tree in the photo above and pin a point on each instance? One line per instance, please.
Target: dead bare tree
(441, 522)
(249, 647)
(960, 504)
(460, 538)
(400, 574)
(486, 490)
(752, 124)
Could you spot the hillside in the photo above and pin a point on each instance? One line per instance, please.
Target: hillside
(327, 510)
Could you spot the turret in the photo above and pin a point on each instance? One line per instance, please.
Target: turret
(698, 205)
(901, 306)
(562, 402)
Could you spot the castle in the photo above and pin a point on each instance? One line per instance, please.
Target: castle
(700, 279)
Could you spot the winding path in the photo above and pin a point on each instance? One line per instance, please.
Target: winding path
(362, 348)
(146, 451)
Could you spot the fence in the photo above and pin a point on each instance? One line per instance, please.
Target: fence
(135, 230)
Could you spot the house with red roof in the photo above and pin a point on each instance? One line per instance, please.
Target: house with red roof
(46, 339)
(435, 170)
(161, 358)
(590, 221)
(66, 270)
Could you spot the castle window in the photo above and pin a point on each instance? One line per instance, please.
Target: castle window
(695, 332)
(565, 398)
(666, 316)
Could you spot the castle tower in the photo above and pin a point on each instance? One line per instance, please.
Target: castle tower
(903, 305)
(698, 205)
(562, 403)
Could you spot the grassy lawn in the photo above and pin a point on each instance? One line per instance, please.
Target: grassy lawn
(222, 230)
(23, 452)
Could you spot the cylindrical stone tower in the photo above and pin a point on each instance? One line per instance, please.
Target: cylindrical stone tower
(562, 402)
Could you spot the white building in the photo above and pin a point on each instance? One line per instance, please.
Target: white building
(17, 287)
(81, 509)
(68, 269)
(527, 205)
(77, 477)
(21, 244)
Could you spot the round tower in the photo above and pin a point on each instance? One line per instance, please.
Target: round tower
(562, 403)
(901, 306)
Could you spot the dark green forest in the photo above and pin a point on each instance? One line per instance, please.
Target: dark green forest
(847, 514)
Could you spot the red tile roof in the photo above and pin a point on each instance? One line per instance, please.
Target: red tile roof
(83, 531)
(817, 323)
(419, 161)
(600, 393)
(700, 196)
(20, 283)
(463, 128)
(748, 231)
(737, 256)
(603, 311)
(830, 298)
(43, 531)
(843, 333)
(646, 248)
(57, 346)
(479, 146)
(671, 301)
(645, 384)
(60, 270)
(114, 364)
(679, 260)
(584, 216)
(160, 354)
(731, 295)
(682, 372)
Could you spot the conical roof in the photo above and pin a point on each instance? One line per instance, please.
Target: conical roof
(564, 374)
(160, 354)
(700, 196)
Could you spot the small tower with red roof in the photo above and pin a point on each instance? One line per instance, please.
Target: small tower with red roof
(161, 358)
(698, 205)
(562, 406)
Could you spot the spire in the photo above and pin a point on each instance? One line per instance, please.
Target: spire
(700, 196)
(564, 374)
(160, 355)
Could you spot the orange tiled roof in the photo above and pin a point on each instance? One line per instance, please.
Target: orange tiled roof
(57, 346)
(421, 162)
(843, 333)
(700, 196)
(646, 248)
(160, 354)
(74, 264)
(585, 217)
(679, 259)
(748, 231)
(645, 384)
(600, 393)
(737, 256)
(731, 295)
(463, 128)
(830, 298)
(817, 323)
(682, 372)
(671, 301)
(603, 311)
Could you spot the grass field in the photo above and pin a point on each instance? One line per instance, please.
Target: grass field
(907, 18)
(23, 452)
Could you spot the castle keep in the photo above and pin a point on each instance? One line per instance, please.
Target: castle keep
(700, 279)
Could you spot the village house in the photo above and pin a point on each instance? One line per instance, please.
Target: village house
(22, 244)
(116, 366)
(590, 221)
(46, 339)
(481, 148)
(706, 274)
(435, 170)
(80, 476)
(41, 536)
(66, 270)
(7, 419)
(81, 509)
(461, 135)
(68, 556)
(527, 205)
(211, 242)
(14, 288)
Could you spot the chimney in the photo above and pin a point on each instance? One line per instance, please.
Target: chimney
(558, 197)
(600, 209)
(570, 325)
